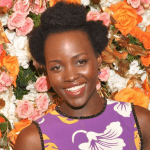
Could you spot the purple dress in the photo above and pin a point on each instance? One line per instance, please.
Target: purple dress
(114, 128)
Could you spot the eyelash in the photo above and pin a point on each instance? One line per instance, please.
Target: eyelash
(82, 62)
(56, 68)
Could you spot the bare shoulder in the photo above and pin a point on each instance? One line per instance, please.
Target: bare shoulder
(28, 139)
(143, 117)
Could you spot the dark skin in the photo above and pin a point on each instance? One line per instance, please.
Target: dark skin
(76, 66)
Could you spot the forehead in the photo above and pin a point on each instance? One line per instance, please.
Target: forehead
(68, 43)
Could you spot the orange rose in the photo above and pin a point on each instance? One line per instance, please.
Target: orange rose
(2, 119)
(146, 39)
(132, 96)
(142, 36)
(145, 60)
(137, 32)
(18, 127)
(148, 28)
(12, 136)
(53, 2)
(146, 88)
(126, 17)
(0, 134)
(12, 65)
(3, 54)
(22, 124)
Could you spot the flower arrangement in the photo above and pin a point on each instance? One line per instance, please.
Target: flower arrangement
(124, 74)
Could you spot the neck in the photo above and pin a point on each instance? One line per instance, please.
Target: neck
(92, 107)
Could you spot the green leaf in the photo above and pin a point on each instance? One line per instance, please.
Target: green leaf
(3, 126)
(7, 121)
(112, 27)
(131, 57)
(35, 18)
(25, 75)
(133, 40)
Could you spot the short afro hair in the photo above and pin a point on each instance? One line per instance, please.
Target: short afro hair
(66, 17)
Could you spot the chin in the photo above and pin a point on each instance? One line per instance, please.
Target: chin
(77, 105)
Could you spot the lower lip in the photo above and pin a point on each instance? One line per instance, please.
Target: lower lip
(76, 93)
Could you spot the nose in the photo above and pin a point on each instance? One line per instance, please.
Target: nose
(71, 74)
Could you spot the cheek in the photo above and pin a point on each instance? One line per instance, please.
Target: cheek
(55, 80)
(91, 72)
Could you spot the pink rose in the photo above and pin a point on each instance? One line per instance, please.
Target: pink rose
(36, 115)
(42, 85)
(146, 3)
(2, 88)
(26, 28)
(104, 74)
(22, 6)
(5, 79)
(9, 24)
(43, 3)
(42, 102)
(134, 3)
(98, 85)
(140, 10)
(17, 20)
(37, 9)
(7, 3)
(24, 109)
(93, 16)
(105, 17)
(1, 49)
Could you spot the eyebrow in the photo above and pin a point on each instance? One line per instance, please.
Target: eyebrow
(73, 57)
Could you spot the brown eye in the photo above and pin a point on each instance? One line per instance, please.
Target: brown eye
(81, 62)
(56, 68)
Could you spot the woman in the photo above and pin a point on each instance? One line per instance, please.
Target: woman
(70, 47)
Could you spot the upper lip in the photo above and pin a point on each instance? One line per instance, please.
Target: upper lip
(73, 85)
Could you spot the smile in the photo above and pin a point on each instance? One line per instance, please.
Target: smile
(76, 90)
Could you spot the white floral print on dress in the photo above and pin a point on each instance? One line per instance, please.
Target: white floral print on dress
(108, 140)
(124, 109)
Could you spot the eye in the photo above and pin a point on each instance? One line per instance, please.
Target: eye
(81, 62)
(56, 68)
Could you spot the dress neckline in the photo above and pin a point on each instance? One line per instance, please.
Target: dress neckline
(83, 117)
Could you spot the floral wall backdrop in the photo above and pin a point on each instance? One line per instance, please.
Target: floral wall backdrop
(25, 93)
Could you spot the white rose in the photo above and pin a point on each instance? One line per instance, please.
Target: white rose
(20, 42)
(107, 3)
(3, 19)
(32, 94)
(146, 21)
(135, 68)
(10, 35)
(85, 2)
(94, 9)
(18, 48)
(9, 110)
(30, 86)
(116, 82)
(143, 77)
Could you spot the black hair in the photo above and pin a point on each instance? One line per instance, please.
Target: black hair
(66, 17)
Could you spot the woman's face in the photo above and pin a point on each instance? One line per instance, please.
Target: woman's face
(72, 67)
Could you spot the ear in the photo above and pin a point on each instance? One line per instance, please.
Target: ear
(37, 65)
(99, 61)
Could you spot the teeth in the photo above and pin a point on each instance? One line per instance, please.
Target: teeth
(75, 88)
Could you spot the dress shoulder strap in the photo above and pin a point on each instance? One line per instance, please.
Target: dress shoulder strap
(138, 126)
(40, 133)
